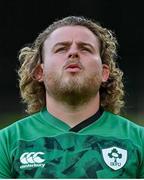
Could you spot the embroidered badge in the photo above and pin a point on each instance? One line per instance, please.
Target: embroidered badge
(115, 157)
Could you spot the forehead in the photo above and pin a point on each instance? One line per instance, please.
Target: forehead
(72, 33)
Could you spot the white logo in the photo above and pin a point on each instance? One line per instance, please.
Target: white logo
(115, 157)
(32, 159)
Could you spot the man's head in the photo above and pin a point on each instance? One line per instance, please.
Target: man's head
(72, 61)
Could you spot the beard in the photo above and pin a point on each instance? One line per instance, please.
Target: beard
(72, 89)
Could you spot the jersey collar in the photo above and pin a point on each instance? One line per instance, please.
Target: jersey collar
(57, 123)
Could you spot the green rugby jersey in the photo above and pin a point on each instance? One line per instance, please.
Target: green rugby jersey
(42, 146)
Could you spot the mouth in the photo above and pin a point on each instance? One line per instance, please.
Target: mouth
(73, 68)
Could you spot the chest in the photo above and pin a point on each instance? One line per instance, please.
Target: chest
(75, 156)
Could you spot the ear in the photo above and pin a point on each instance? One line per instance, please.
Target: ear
(38, 73)
(105, 73)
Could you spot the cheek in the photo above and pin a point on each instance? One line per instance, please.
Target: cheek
(94, 66)
(50, 62)
(52, 65)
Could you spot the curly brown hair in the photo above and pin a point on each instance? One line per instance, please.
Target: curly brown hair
(33, 92)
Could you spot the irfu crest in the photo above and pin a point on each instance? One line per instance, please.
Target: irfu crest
(115, 157)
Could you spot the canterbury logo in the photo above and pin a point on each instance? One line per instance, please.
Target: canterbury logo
(32, 157)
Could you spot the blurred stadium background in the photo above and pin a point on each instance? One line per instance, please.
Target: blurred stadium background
(21, 22)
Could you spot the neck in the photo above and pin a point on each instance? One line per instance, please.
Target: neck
(72, 115)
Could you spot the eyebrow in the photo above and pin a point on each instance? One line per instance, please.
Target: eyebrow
(68, 43)
(64, 43)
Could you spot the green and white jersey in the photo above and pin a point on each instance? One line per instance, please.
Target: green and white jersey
(42, 146)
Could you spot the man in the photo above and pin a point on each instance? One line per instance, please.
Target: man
(73, 89)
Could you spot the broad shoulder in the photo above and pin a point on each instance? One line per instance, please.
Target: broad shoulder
(125, 123)
(23, 122)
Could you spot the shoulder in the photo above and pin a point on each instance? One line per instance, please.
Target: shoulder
(123, 120)
(124, 124)
(24, 123)
(20, 130)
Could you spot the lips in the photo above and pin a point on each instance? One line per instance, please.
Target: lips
(72, 66)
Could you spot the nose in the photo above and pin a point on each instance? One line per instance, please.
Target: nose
(73, 52)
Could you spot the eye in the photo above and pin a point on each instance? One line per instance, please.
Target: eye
(60, 49)
(86, 49)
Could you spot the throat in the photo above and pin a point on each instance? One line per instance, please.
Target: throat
(72, 114)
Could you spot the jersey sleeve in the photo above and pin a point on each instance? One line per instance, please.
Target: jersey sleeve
(5, 169)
